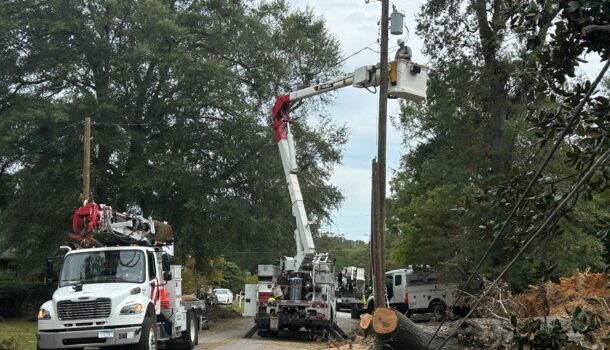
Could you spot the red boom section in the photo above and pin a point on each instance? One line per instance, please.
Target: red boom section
(279, 114)
(85, 220)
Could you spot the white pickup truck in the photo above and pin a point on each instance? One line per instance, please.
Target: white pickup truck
(418, 291)
(114, 296)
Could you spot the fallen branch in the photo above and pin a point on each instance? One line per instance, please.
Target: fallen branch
(488, 309)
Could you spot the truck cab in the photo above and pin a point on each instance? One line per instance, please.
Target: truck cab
(416, 290)
(111, 296)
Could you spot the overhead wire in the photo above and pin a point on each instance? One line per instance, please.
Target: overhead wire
(603, 158)
(543, 164)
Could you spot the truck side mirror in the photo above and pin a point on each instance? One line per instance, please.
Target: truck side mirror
(49, 274)
(167, 275)
(165, 263)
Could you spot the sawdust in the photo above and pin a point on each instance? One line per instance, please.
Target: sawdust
(359, 343)
(583, 289)
(589, 291)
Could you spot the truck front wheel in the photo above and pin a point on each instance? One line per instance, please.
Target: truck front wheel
(371, 307)
(148, 338)
(354, 312)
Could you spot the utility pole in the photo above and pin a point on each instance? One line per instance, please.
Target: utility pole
(374, 188)
(377, 268)
(86, 158)
(379, 251)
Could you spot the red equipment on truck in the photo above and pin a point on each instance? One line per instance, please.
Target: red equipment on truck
(123, 292)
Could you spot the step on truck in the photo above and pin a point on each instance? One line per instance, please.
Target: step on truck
(300, 292)
(121, 293)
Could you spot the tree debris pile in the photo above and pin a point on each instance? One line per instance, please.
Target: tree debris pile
(215, 312)
(358, 343)
(499, 303)
(586, 290)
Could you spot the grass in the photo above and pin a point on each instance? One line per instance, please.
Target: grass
(17, 335)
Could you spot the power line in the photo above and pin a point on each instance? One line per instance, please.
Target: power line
(573, 118)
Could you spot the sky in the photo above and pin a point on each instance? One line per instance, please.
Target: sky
(354, 24)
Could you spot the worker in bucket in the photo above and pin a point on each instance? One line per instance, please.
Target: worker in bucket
(404, 52)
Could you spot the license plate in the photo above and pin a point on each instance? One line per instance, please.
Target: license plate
(106, 333)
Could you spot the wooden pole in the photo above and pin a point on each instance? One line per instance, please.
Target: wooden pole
(375, 268)
(381, 158)
(373, 222)
(86, 158)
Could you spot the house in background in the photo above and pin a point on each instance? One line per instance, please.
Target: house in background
(8, 259)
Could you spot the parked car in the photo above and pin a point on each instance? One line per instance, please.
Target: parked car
(224, 296)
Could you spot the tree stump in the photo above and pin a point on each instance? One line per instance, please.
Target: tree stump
(399, 332)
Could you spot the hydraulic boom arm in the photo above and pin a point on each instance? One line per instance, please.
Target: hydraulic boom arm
(401, 85)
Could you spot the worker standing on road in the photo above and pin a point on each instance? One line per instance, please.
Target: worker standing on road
(404, 52)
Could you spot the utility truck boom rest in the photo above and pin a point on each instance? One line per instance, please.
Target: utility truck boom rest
(300, 293)
(123, 292)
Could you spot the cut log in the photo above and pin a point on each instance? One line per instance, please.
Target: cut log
(399, 332)
(365, 324)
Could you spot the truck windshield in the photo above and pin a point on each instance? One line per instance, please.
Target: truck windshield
(109, 266)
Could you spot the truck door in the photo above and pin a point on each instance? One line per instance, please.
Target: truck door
(251, 299)
(398, 288)
(153, 281)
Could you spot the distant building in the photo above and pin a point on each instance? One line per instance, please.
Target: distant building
(7, 260)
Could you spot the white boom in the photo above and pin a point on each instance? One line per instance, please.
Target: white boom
(407, 80)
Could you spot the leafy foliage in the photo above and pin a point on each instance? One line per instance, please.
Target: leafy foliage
(537, 334)
(179, 94)
(346, 252)
(498, 100)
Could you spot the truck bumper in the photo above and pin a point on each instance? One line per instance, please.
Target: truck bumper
(86, 338)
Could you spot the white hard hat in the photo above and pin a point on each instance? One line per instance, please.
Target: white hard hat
(400, 41)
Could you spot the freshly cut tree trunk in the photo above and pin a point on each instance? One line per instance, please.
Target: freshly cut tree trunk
(366, 320)
(399, 332)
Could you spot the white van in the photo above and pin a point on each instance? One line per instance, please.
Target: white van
(418, 291)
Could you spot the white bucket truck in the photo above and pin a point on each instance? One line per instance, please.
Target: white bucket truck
(124, 292)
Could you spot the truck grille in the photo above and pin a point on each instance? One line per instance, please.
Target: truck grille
(78, 310)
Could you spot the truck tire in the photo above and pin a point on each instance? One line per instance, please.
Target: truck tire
(148, 338)
(267, 333)
(439, 309)
(190, 336)
(370, 308)
(354, 312)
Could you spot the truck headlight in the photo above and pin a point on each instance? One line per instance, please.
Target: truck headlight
(132, 309)
(44, 314)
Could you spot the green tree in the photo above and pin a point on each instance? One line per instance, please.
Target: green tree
(498, 100)
(179, 93)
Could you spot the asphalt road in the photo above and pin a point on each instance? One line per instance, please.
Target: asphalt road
(228, 334)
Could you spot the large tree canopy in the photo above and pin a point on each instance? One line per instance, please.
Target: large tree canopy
(504, 89)
(179, 93)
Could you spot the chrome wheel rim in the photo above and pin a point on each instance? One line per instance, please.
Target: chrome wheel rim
(193, 330)
(152, 340)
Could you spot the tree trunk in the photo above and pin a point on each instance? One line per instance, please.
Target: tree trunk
(399, 332)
